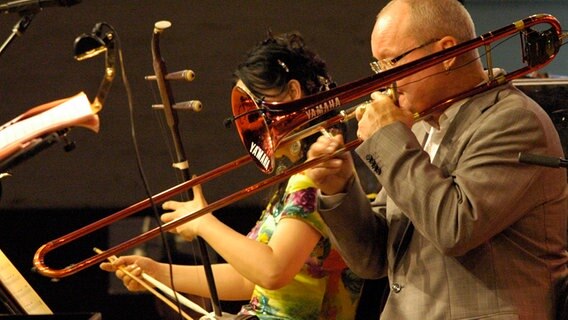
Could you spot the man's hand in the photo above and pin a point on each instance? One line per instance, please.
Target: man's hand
(330, 176)
(380, 112)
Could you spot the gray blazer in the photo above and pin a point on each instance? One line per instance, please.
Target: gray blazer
(475, 234)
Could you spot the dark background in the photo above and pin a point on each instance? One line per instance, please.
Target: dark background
(56, 192)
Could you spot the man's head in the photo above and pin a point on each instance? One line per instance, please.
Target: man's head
(407, 30)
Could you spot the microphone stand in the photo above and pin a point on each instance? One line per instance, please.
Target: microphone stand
(34, 147)
(19, 28)
(181, 162)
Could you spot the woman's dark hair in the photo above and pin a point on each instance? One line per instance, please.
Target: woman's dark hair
(273, 62)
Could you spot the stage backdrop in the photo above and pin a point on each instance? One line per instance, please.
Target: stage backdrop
(56, 191)
(209, 37)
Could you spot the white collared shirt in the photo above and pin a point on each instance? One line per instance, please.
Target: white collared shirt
(435, 135)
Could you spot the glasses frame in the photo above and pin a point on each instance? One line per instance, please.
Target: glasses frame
(386, 64)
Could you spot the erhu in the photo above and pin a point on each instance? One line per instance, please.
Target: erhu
(169, 107)
(264, 126)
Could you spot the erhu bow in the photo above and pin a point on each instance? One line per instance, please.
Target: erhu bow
(267, 125)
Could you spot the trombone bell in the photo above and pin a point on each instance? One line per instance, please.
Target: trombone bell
(253, 129)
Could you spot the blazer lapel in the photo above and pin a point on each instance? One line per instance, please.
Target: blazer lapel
(405, 228)
(466, 115)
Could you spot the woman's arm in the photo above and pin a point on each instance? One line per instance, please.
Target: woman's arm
(189, 279)
(270, 265)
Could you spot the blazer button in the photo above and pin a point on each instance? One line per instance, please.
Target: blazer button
(377, 169)
(373, 164)
(396, 288)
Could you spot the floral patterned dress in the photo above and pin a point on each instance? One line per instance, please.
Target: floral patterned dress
(324, 288)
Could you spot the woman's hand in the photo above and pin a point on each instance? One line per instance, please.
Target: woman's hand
(135, 265)
(190, 229)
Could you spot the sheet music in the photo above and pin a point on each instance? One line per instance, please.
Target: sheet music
(74, 111)
(20, 289)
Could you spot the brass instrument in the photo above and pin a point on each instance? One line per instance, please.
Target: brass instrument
(264, 126)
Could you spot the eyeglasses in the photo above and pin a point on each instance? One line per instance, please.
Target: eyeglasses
(385, 64)
(264, 97)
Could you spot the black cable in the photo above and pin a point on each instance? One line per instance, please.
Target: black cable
(140, 166)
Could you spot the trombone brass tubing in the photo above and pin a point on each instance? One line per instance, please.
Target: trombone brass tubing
(354, 90)
(299, 110)
(262, 139)
(39, 257)
(343, 116)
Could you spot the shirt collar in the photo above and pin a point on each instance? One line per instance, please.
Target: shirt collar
(450, 113)
(446, 117)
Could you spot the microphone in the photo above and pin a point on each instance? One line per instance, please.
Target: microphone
(256, 112)
(544, 161)
(228, 122)
(186, 75)
(31, 5)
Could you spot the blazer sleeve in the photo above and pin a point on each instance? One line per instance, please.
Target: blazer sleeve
(359, 231)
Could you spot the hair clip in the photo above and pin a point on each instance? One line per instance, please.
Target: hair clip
(283, 65)
(325, 83)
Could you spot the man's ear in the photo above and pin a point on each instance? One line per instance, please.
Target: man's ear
(445, 43)
(295, 89)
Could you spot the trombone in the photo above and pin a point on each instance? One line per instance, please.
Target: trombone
(263, 126)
